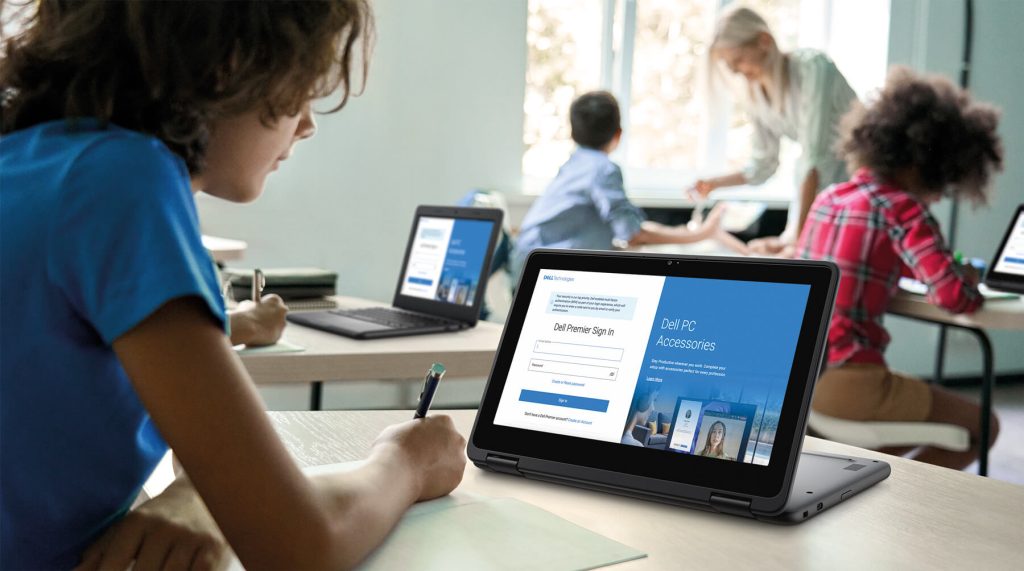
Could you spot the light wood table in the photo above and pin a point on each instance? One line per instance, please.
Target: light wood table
(995, 314)
(921, 517)
(224, 249)
(330, 357)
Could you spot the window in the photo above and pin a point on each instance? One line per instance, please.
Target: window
(652, 54)
(563, 39)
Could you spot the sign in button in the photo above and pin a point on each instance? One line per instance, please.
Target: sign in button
(567, 401)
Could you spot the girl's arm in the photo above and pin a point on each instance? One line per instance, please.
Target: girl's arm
(202, 400)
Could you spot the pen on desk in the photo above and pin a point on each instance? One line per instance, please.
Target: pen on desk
(258, 282)
(429, 387)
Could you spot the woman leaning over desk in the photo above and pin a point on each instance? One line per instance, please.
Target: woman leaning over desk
(114, 114)
(799, 95)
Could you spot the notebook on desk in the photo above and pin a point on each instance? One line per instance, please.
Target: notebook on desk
(441, 285)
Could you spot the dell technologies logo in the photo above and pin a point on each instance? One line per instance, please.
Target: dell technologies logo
(558, 278)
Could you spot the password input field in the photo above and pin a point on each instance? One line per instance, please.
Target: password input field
(573, 369)
(578, 350)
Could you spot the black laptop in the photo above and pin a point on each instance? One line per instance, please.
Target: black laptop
(673, 378)
(1006, 272)
(441, 286)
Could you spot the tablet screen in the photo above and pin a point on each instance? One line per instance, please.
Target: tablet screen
(677, 365)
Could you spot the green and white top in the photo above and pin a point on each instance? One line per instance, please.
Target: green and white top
(816, 96)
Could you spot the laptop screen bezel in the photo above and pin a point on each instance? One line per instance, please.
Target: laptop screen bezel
(464, 313)
(771, 481)
(999, 280)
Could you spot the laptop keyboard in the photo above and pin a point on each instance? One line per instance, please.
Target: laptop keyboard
(394, 318)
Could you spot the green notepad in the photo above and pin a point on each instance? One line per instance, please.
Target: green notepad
(493, 534)
(281, 346)
(469, 531)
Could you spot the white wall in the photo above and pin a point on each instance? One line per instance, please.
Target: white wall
(441, 114)
(928, 35)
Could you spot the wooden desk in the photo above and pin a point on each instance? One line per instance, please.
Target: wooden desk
(224, 249)
(330, 357)
(1002, 314)
(921, 517)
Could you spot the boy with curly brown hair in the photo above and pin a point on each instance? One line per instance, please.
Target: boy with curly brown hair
(920, 140)
(114, 115)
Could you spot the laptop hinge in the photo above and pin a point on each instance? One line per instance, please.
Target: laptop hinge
(732, 506)
(503, 464)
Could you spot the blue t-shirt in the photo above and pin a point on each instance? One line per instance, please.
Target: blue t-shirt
(584, 207)
(99, 229)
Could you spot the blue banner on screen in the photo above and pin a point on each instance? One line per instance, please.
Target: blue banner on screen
(446, 260)
(683, 365)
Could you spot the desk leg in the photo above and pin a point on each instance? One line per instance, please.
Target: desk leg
(940, 355)
(316, 395)
(987, 382)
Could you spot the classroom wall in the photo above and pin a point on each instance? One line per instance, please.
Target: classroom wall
(928, 35)
(441, 114)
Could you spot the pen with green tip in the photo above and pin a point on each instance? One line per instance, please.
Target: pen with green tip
(429, 388)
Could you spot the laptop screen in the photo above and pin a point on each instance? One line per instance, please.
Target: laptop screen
(1010, 259)
(678, 364)
(445, 262)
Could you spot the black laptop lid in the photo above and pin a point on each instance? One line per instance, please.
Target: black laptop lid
(447, 261)
(693, 370)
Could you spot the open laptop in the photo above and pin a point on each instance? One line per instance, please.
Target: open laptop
(680, 379)
(441, 286)
(1006, 272)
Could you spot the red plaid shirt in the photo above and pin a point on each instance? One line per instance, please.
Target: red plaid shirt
(875, 233)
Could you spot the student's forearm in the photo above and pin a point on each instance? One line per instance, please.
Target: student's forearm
(240, 327)
(199, 396)
(808, 190)
(366, 503)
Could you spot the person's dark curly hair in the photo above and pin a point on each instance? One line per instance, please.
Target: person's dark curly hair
(925, 125)
(595, 119)
(169, 68)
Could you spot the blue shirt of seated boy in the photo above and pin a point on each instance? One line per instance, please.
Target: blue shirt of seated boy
(584, 207)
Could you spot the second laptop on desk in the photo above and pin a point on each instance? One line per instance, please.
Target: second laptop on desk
(441, 286)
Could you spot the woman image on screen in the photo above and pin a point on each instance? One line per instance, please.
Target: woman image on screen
(715, 441)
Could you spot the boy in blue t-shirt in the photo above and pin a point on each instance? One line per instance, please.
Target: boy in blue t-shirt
(585, 206)
(113, 343)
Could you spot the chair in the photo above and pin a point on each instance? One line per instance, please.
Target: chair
(878, 434)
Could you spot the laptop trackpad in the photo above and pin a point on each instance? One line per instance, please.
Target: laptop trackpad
(335, 322)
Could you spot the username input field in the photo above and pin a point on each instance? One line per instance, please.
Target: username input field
(578, 350)
(573, 369)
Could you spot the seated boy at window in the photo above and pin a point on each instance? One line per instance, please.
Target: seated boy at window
(920, 138)
(585, 206)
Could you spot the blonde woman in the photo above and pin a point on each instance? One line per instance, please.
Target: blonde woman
(799, 95)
